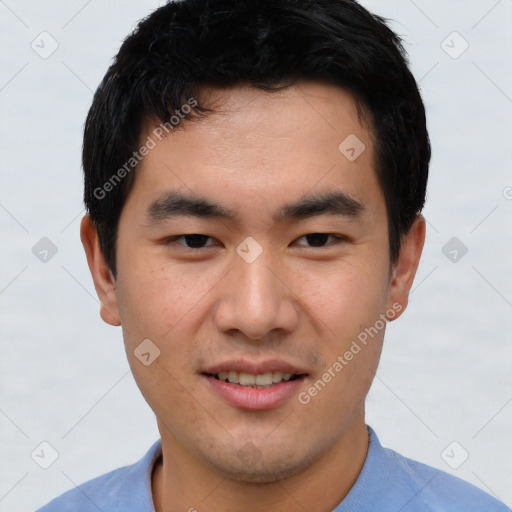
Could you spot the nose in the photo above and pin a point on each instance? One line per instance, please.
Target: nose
(256, 300)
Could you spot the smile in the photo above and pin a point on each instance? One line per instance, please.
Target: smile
(261, 380)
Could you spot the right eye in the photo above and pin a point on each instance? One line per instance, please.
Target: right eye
(192, 241)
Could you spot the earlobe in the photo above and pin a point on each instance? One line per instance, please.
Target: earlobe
(104, 281)
(405, 269)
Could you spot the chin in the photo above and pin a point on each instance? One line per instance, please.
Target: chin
(270, 468)
(262, 475)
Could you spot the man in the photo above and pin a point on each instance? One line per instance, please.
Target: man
(254, 177)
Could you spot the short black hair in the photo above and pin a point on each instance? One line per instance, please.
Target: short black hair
(187, 45)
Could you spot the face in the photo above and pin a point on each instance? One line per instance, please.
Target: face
(254, 254)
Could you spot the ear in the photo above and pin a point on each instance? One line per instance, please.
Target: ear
(405, 268)
(104, 281)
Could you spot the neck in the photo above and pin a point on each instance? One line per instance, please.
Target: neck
(180, 482)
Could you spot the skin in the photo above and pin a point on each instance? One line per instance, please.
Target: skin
(297, 303)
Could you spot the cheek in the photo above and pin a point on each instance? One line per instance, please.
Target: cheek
(154, 297)
(143, 298)
(346, 299)
(157, 302)
(349, 303)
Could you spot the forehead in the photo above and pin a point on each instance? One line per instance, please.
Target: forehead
(264, 147)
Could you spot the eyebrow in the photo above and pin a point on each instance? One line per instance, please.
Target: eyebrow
(178, 204)
(334, 203)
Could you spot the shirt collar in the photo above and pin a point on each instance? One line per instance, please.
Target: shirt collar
(136, 491)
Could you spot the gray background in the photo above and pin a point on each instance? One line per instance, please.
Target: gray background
(64, 379)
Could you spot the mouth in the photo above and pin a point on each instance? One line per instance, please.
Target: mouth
(258, 381)
(254, 387)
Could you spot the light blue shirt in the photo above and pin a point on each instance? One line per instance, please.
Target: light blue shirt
(388, 482)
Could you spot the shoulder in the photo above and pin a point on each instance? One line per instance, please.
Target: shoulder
(430, 489)
(124, 489)
(390, 482)
(98, 493)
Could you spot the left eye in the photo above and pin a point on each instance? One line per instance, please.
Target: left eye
(193, 241)
(317, 239)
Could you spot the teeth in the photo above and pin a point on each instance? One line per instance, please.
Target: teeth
(246, 379)
(249, 380)
(277, 376)
(264, 379)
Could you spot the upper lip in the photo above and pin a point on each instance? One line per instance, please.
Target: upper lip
(254, 367)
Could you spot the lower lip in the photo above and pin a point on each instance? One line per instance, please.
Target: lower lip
(255, 399)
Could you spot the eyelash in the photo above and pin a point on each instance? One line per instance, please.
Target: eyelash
(175, 239)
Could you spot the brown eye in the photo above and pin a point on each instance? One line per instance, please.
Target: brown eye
(317, 239)
(193, 241)
(196, 241)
